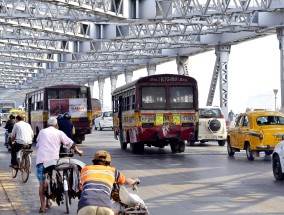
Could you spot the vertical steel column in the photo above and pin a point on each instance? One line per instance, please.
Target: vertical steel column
(280, 37)
(223, 53)
(113, 81)
(151, 69)
(101, 91)
(182, 65)
(91, 85)
(128, 76)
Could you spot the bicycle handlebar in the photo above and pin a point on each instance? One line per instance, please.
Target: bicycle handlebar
(67, 154)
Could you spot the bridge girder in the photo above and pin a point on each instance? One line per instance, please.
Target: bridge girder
(94, 39)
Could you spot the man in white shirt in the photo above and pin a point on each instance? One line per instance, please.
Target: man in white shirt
(48, 145)
(22, 134)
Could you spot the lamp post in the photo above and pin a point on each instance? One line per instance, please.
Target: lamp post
(275, 93)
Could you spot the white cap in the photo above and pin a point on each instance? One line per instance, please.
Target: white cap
(52, 121)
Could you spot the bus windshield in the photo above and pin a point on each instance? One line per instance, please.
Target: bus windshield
(179, 98)
(154, 97)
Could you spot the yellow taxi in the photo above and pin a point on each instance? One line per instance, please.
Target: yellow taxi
(255, 131)
(15, 112)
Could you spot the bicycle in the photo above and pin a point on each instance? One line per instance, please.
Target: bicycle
(24, 163)
(64, 168)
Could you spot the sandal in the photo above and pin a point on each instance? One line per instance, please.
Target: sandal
(41, 211)
(48, 205)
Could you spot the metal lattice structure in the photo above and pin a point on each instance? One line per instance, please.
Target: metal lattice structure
(51, 42)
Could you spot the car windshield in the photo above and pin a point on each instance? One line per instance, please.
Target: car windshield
(107, 114)
(270, 120)
(210, 113)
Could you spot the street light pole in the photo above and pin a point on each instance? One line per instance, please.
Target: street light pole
(275, 93)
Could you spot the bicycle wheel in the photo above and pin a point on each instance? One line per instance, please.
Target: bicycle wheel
(14, 173)
(66, 196)
(25, 168)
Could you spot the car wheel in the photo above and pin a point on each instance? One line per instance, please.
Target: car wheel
(249, 153)
(190, 143)
(100, 127)
(277, 169)
(123, 145)
(268, 152)
(221, 142)
(214, 125)
(174, 147)
(230, 149)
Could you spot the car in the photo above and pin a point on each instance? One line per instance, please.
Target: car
(211, 126)
(255, 132)
(278, 161)
(103, 120)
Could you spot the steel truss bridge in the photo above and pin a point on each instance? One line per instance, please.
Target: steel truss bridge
(52, 42)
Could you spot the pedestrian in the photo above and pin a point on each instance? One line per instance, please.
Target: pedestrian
(231, 116)
(22, 134)
(97, 181)
(48, 145)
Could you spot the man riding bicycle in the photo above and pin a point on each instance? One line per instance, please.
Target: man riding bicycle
(97, 181)
(48, 145)
(22, 134)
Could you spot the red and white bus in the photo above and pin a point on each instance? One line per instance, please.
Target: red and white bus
(53, 100)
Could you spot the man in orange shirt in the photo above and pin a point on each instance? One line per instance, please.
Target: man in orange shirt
(97, 181)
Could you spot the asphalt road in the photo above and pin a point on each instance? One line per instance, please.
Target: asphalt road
(201, 181)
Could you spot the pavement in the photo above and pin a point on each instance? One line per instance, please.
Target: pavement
(18, 198)
(6, 207)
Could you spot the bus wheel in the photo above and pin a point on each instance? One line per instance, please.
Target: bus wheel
(123, 145)
(174, 147)
(181, 146)
(137, 148)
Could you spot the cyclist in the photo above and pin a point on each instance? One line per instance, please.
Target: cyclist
(9, 127)
(22, 134)
(48, 145)
(97, 181)
(68, 128)
(66, 125)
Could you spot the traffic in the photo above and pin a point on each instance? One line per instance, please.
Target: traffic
(202, 180)
(180, 151)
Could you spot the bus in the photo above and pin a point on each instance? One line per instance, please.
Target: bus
(53, 100)
(5, 107)
(157, 110)
(96, 108)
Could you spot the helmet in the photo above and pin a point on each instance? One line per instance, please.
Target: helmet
(67, 115)
(102, 155)
(12, 116)
(59, 117)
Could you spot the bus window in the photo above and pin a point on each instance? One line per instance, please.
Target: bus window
(153, 98)
(181, 98)
(67, 94)
(52, 94)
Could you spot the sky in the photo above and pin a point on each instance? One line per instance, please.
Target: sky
(253, 72)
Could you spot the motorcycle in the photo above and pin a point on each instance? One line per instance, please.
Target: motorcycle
(125, 203)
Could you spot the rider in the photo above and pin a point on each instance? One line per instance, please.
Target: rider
(22, 134)
(48, 144)
(97, 181)
(65, 125)
(9, 127)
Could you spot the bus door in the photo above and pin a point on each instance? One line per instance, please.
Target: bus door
(29, 110)
(120, 106)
